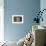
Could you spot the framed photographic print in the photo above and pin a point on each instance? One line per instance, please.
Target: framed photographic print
(17, 19)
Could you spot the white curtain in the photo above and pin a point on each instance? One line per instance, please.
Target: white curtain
(1, 20)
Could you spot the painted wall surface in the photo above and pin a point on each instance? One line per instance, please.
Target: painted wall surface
(43, 6)
(13, 32)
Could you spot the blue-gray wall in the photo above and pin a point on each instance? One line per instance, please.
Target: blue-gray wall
(28, 8)
(43, 6)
